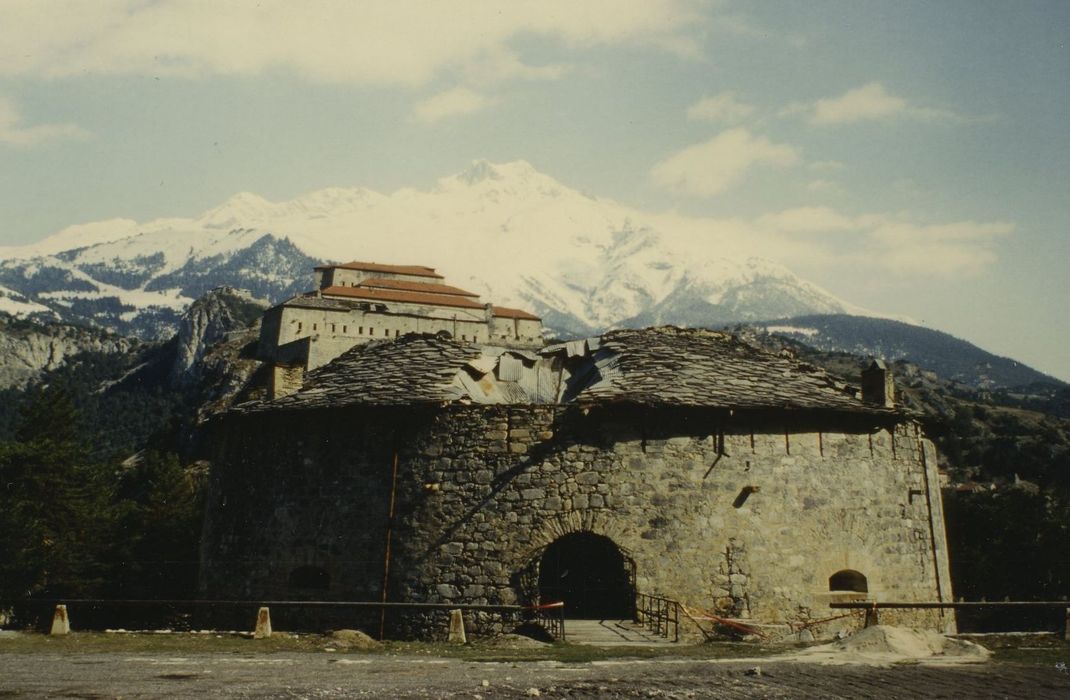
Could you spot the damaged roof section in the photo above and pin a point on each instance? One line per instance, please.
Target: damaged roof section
(655, 366)
(691, 367)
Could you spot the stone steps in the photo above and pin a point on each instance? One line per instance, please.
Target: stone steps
(611, 633)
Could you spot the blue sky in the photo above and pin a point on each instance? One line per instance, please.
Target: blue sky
(916, 152)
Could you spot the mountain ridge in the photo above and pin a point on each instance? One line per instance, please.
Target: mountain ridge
(952, 358)
(514, 235)
(584, 263)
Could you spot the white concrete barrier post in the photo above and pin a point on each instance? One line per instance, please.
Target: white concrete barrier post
(263, 624)
(457, 635)
(61, 624)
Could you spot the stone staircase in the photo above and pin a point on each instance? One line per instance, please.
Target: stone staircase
(611, 633)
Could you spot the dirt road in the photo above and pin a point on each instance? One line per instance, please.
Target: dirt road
(304, 675)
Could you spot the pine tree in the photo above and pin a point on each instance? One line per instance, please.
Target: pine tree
(55, 508)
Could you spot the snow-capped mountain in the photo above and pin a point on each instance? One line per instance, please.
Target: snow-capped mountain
(508, 232)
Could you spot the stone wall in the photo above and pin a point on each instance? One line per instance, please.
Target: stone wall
(746, 514)
(333, 331)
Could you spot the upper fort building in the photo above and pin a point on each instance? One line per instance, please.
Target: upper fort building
(358, 302)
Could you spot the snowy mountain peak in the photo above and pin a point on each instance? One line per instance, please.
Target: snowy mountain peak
(505, 231)
(517, 177)
(243, 209)
(482, 170)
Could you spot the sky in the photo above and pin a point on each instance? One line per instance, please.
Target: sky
(915, 154)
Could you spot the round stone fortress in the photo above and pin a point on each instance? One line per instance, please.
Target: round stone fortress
(682, 463)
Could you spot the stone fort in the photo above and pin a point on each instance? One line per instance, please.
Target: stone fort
(358, 302)
(678, 462)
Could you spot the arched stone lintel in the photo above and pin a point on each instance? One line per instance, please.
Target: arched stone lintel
(557, 526)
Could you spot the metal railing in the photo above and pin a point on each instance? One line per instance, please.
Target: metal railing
(873, 616)
(551, 616)
(659, 615)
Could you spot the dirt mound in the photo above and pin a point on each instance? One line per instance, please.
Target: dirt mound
(883, 644)
(514, 641)
(352, 639)
(883, 639)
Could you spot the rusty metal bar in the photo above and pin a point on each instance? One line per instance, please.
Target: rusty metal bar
(862, 605)
(658, 614)
(259, 603)
(389, 537)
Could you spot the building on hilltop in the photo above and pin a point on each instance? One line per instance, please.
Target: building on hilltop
(682, 463)
(358, 302)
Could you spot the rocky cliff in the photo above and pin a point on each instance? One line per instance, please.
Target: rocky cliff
(208, 321)
(30, 348)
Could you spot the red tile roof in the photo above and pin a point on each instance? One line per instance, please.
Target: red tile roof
(504, 312)
(414, 270)
(398, 295)
(407, 286)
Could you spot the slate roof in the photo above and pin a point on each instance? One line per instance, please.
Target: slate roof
(413, 369)
(690, 367)
(653, 366)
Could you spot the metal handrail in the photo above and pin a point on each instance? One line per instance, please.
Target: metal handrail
(872, 617)
(659, 614)
(552, 615)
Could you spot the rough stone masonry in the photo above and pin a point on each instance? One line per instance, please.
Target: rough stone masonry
(716, 474)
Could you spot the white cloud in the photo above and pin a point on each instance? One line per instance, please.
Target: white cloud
(822, 186)
(711, 167)
(720, 108)
(869, 102)
(827, 166)
(371, 42)
(451, 103)
(14, 133)
(822, 237)
(808, 220)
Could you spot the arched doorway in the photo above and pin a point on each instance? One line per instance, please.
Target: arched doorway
(590, 574)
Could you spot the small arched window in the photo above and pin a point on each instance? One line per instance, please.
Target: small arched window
(848, 580)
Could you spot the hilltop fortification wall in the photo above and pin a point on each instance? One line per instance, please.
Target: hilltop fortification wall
(750, 514)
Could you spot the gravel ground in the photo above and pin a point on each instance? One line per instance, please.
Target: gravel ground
(308, 675)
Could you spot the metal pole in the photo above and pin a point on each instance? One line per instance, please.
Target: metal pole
(389, 534)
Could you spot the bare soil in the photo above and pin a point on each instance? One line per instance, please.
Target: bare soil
(144, 666)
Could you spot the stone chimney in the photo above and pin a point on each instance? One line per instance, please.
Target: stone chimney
(878, 387)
